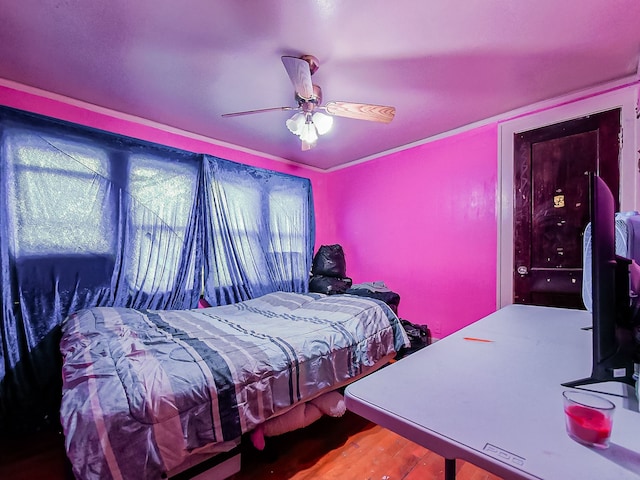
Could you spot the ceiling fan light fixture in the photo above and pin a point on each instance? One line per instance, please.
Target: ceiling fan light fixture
(309, 133)
(307, 123)
(322, 122)
(296, 123)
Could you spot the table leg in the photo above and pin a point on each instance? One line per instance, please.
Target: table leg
(449, 469)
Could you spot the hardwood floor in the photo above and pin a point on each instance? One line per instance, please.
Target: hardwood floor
(39, 456)
(347, 448)
(332, 448)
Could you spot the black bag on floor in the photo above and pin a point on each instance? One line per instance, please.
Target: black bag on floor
(390, 298)
(419, 336)
(329, 285)
(329, 261)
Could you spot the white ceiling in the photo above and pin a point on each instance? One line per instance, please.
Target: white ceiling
(442, 63)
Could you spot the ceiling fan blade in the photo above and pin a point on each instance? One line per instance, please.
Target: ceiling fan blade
(250, 112)
(361, 111)
(300, 75)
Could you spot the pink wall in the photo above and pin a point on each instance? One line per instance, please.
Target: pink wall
(424, 221)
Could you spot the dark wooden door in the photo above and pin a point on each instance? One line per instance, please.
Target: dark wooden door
(551, 204)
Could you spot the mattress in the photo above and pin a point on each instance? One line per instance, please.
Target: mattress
(144, 390)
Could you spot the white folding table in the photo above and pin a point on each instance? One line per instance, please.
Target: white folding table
(491, 394)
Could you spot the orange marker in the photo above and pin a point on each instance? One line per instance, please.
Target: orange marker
(474, 339)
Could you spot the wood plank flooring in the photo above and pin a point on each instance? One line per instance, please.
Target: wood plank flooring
(347, 448)
(39, 456)
(332, 448)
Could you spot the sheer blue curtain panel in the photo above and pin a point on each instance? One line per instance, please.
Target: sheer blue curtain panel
(259, 232)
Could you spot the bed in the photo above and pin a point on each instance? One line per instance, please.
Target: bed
(157, 391)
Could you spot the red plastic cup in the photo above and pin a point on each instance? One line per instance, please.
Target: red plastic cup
(588, 418)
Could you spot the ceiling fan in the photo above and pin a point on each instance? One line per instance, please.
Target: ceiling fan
(309, 122)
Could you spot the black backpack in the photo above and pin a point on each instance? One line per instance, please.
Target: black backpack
(419, 336)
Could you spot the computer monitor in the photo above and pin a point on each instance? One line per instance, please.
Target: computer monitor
(613, 342)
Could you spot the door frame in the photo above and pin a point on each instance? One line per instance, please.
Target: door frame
(625, 98)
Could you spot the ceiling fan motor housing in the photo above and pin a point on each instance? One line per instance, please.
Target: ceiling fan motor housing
(308, 106)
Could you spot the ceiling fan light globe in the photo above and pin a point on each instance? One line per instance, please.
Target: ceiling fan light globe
(307, 146)
(309, 134)
(322, 122)
(296, 123)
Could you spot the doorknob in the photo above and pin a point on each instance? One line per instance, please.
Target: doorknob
(522, 270)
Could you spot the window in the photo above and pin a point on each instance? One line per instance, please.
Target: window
(57, 192)
(289, 241)
(259, 228)
(162, 194)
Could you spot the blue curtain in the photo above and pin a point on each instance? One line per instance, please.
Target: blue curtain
(89, 218)
(158, 266)
(259, 230)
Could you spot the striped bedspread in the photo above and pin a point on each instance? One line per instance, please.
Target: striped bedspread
(142, 390)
